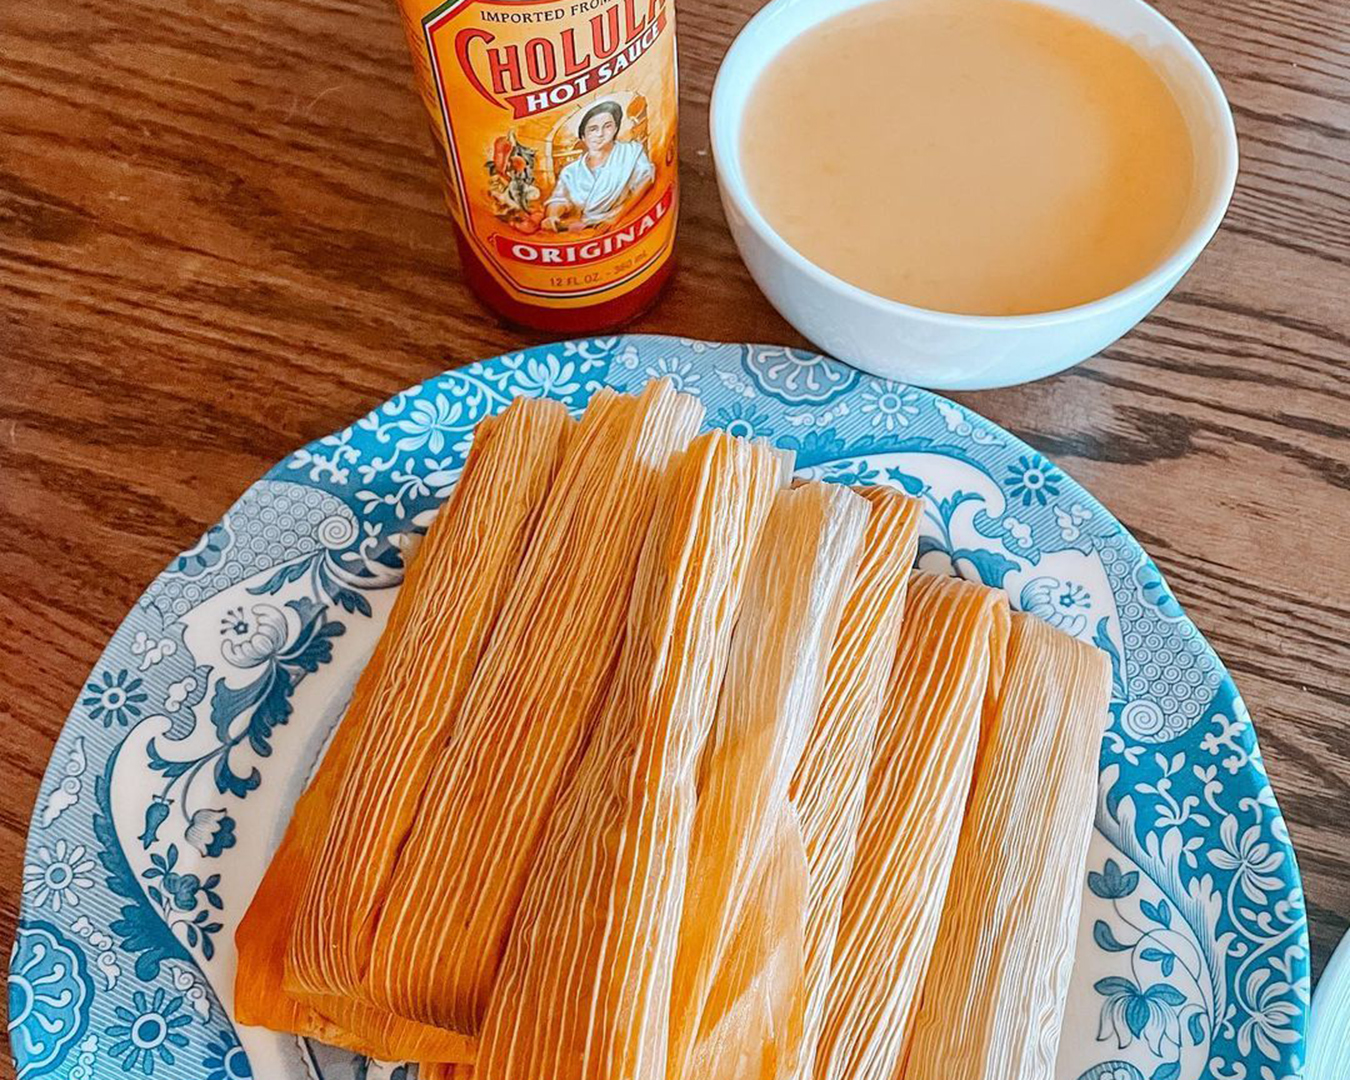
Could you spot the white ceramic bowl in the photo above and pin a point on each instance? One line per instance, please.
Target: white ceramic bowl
(966, 352)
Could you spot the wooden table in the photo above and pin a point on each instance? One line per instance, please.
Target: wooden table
(221, 236)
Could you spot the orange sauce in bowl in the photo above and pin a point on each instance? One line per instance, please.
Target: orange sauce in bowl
(980, 157)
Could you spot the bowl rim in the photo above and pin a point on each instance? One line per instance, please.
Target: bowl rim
(724, 142)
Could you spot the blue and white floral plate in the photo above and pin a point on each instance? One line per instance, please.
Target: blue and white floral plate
(174, 777)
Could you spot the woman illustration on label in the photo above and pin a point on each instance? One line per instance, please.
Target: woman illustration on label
(600, 183)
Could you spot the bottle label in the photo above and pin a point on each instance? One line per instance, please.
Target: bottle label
(557, 124)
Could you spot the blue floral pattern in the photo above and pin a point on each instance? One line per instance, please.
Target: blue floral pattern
(114, 698)
(1034, 480)
(744, 419)
(225, 1059)
(148, 1033)
(797, 377)
(205, 717)
(49, 994)
(205, 554)
(57, 876)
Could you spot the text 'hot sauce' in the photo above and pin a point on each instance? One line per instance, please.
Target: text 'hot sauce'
(556, 122)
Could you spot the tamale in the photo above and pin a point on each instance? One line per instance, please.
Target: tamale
(753, 1020)
(995, 994)
(261, 940)
(452, 589)
(807, 561)
(831, 779)
(403, 708)
(526, 717)
(583, 990)
(917, 787)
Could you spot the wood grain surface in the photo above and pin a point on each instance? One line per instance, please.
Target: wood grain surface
(221, 236)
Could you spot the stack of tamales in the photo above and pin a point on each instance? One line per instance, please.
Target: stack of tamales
(665, 768)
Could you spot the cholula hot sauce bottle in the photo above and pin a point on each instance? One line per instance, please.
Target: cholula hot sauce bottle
(555, 126)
